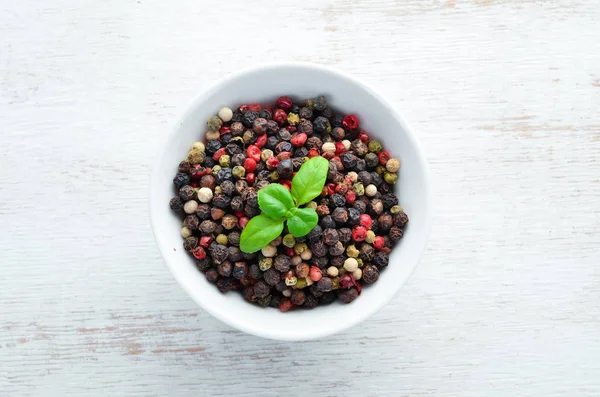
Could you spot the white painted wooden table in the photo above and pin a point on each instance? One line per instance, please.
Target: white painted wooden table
(504, 96)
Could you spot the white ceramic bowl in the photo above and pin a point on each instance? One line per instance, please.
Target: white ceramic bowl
(344, 93)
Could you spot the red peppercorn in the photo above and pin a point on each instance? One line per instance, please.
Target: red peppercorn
(244, 108)
(194, 184)
(330, 189)
(239, 214)
(383, 158)
(243, 222)
(289, 252)
(250, 178)
(224, 130)
(253, 152)
(363, 136)
(347, 281)
(255, 107)
(287, 183)
(199, 252)
(299, 140)
(285, 304)
(261, 140)
(339, 148)
(350, 197)
(328, 155)
(315, 273)
(379, 243)
(359, 233)
(284, 103)
(272, 163)
(366, 221)
(350, 122)
(250, 165)
(280, 116)
(313, 153)
(205, 241)
(341, 189)
(291, 128)
(218, 154)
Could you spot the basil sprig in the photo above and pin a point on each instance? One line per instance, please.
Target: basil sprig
(278, 205)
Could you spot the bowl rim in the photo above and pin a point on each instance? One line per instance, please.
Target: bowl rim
(200, 98)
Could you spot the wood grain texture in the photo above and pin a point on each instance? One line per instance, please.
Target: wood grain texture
(504, 96)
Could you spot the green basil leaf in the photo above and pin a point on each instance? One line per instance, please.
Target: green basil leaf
(259, 232)
(310, 179)
(302, 222)
(275, 200)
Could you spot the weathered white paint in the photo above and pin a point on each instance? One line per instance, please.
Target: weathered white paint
(505, 96)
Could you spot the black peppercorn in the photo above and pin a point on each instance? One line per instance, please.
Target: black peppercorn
(348, 295)
(315, 291)
(261, 289)
(305, 126)
(238, 159)
(345, 234)
(330, 236)
(321, 125)
(318, 248)
(327, 112)
(328, 298)
(315, 234)
(348, 160)
(338, 133)
(371, 160)
(320, 261)
(224, 174)
(248, 294)
(181, 180)
(218, 252)
(282, 263)
(395, 233)
(211, 275)
(203, 211)
(385, 222)
(240, 270)
(337, 249)
(190, 243)
(305, 113)
(192, 222)
(380, 259)
(272, 141)
(389, 200)
(225, 284)
(377, 180)
(250, 196)
(370, 274)
(314, 142)
(319, 103)
(226, 138)
(234, 238)
(234, 254)
(295, 108)
(336, 120)
(203, 264)
(325, 284)
(255, 272)
(400, 219)
(375, 225)
(375, 207)
(340, 215)
(283, 147)
(365, 177)
(237, 116)
(207, 227)
(298, 297)
(248, 118)
(249, 137)
(284, 135)
(327, 222)
(360, 206)
(281, 286)
(366, 252)
(221, 200)
(176, 204)
(310, 301)
(228, 188)
(272, 277)
(353, 215)
(285, 169)
(225, 268)
(213, 146)
(338, 200)
(337, 261)
(186, 192)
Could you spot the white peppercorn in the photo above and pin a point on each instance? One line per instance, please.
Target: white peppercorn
(393, 165)
(353, 176)
(186, 232)
(357, 274)
(332, 271)
(198, 146)
(306, 255)
(350, 265)
(296, 260)
(347, 144)
(269, 251)
(225, 114)
(371, 190)
(328, 147)
(190, 206)
(205, 195)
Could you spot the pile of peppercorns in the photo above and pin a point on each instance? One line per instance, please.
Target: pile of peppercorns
(249, 148)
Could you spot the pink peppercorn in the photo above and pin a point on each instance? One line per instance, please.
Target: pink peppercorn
(199, 252)
(253, 152)
(280, 116)
(379, 243)
(224, 130)
(383, 158)
(315, 273)
(346, 281)
(261, 140)
(239, 214)
(299, 140)
(243, 222)
(255, 107)
(359, 233)
(363, 136)
(205, 241)
(218, 154)
(284, 155)
(289, 251)
(285, 304)
(250, 178)
(272, 163)
(291, 128)
(284, 103)
(250, 165)
(287, 183)
(328, 155)
(313, 153)
(350, 122)
(330, 189)
(366, 221)
(339, 148)
(350, 197)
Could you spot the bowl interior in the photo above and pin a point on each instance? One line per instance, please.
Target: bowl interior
(345, 94)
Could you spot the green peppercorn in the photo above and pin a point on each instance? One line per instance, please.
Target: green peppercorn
(293, 118)
(360, 262)
(336, 281)
(300, 248)
(358, 188)
(301, 283)
(312, 204)
(265, 264)
(352, 251)
(225, 160)
(218, 190)
(214, 123)
(238, 171)
(375, 146)
(274, 177)
(289, 240)
(396, 209)
(380, 169)
(222, 239)
(216, 169)
(390, 178)
(196, 156)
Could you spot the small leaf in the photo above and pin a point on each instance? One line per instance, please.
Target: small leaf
(310, 179)
(259, 232)
(275, 200)
(302, 222)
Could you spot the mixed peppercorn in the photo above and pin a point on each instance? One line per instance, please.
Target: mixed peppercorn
(245, 150)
